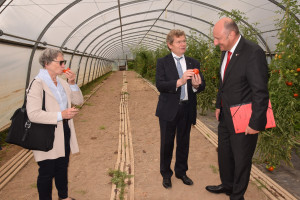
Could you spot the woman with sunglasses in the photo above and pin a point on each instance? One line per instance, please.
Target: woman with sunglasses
(59, 96)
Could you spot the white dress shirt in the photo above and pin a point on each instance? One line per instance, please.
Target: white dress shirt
(225, 57)
(58, 91)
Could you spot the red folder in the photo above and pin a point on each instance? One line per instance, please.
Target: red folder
(241, 116)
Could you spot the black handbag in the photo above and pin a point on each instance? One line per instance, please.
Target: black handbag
(29, 135)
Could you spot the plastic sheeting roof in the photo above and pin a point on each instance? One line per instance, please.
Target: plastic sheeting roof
(109, 28)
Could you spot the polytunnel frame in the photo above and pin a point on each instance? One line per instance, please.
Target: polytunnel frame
(118, 32)
(91, 18)
(149, 29)
(124, 42)
(171, 23)
(157, 19)
(114, 47)
(41, 36)
(135, 39)
(98, 69)
(117, 38)
(105, 50)
(138, 1)
(163, 10)
(120, 17)
(113, 40)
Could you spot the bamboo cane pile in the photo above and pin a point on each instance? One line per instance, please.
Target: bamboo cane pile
(125, 159)
(13, 166)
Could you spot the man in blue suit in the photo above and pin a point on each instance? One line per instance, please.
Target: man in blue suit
(178, 85)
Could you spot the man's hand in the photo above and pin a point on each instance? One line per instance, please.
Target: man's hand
(218, 113)
(196, 81)
(250, 131)
(188, 74)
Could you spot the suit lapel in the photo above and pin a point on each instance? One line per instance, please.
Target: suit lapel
(47, 89)
(188, 63)
(234, 58)
(172, 69)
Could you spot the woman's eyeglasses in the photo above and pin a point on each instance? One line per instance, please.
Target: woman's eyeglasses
(61, 62)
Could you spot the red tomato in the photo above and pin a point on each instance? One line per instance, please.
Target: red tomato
(289, 83)
(271, 168)
(298, 69)
(65, 70)
(296, 95)
(196, 71)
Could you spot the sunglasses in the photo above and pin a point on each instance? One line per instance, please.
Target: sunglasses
(61, 62)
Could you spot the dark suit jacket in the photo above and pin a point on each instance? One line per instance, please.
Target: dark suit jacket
(245, 80)
(166, 80)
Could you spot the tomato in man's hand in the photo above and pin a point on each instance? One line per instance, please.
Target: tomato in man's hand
(65, 70)
(196, 71)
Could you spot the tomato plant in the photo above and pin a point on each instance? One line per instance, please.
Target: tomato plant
(277, 144)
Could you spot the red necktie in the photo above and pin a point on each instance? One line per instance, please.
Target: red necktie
(228, 59)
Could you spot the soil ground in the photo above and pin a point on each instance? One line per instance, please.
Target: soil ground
(97, 128)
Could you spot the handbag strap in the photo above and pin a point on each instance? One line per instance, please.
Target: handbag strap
(43, 106)
(25, 100)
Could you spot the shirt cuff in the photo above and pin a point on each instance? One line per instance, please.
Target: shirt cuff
(195, 90)
(59, 117)
(74, 88)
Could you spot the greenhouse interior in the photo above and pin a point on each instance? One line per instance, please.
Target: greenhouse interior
(100, 67)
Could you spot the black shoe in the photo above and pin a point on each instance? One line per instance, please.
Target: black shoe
(218, 189)
(185, 179)
(167, 183)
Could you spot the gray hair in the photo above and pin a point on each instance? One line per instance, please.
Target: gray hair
(48, 55)
(230, 25)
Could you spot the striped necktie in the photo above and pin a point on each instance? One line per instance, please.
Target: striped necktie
(180, 73)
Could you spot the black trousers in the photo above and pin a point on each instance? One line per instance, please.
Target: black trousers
(235, 152)
(181, 127)
(57, 169)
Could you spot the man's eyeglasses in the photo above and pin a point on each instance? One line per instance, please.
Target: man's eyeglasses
(61, 62)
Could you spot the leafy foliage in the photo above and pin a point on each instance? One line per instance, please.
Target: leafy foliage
(118, 178)
(145, 61)
(284, 86)
(209, 57)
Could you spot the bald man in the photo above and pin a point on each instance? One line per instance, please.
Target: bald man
(243, 80)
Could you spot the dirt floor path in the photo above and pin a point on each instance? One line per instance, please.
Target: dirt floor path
(97, 128)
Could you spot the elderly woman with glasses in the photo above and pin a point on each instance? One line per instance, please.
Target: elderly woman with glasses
(60, 95)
